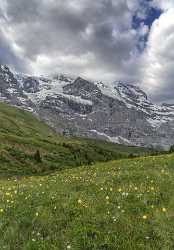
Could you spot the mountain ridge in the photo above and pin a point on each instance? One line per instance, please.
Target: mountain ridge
(116, 112)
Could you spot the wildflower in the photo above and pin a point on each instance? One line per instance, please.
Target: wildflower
(136, 188)
(101, 188)
(144, 217)
(80, 201)
(107, 197)
(37, 214)
(111, 189)
(119, 190)
(68, 247)
(1, 210)
(164, 209)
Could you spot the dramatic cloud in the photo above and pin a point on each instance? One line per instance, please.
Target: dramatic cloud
(103, 39)
(158, 58)
(91, 38)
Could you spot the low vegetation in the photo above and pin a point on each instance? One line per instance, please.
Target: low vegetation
(125, 204)
(28, 146)
(48, 202)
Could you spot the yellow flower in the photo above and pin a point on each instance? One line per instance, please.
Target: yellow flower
(164, 209)
(107, 197)
(37, 214)
(1, 210)
(111, 189)
(119, 190)
(144, 217)
(80, 201)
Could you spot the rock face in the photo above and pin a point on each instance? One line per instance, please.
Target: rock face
(115, 112)
(11, 91)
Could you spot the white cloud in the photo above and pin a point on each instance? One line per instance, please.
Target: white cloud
(65, 33)
(158, 59)
(163, 4)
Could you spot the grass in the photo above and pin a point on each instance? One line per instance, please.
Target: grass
(69, 200)
(21, 135)
(125, 204)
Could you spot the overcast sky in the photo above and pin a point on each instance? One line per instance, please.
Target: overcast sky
(129, 40)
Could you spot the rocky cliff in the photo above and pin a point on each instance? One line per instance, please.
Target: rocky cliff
(116, 112)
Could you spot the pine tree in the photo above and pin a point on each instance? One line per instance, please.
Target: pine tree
(37, 156)
(171, 149)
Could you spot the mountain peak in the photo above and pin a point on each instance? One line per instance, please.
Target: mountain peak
(113, 111)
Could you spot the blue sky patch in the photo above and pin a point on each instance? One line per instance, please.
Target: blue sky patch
(149, 15)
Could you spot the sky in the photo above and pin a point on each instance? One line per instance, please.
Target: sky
(108, 40)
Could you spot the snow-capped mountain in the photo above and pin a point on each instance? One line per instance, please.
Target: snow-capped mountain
(115, 112)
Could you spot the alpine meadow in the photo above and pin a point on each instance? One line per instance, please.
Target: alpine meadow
(86, 125)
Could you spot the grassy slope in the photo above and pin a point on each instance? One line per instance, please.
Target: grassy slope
(125, 204)
(21, 134)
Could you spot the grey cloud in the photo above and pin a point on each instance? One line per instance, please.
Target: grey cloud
(90, 38)
(8, 56)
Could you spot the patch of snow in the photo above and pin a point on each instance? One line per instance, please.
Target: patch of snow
(118, 139)
(78, 99)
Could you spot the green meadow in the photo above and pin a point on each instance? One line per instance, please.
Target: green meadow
(123, 204)
(22, 134)
(80, 194)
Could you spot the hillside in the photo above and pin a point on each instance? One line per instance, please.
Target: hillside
(21, 135)
(124, 205)
(116, 112)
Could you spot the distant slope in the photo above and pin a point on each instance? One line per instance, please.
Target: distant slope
(22, 134)
(116, 112)
(119, 205)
